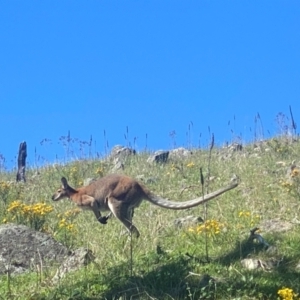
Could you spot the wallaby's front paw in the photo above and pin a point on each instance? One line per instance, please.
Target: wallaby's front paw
(103, 220)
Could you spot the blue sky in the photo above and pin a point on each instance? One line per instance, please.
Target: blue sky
(144, 69)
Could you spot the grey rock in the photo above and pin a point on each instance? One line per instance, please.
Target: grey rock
(180, 153)
(23, 248)
(187, 221)
(235, 147)
(159, 156)
(118, 165)
(122, 152)
(76, 260)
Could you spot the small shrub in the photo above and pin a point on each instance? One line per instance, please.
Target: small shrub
(32, 215)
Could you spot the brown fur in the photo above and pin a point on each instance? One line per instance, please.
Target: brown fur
(120, 194)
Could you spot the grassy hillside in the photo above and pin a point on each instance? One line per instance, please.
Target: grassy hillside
(196, 261)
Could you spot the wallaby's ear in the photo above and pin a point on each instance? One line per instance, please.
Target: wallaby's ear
(64, 182)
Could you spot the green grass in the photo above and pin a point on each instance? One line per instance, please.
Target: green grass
(170, 262)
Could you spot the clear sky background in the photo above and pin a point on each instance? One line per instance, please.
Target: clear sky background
(134, 72)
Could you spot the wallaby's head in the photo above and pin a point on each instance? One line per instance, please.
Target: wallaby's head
(64, 192)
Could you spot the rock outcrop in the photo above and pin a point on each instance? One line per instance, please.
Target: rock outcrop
(23, 249)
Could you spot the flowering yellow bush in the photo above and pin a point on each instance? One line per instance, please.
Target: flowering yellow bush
(172, 170)
(33, 215)
(65, 229)
(99, 171)
(248, 219)
(72, 213)
(190, 165)
(212, 227)
(40, 209)
(287, 294)
(66, 220)
(292, 184)
(4, 190)
(4, 186)
(63, 223)
(244, 214)
(14, 206)
(73, 171)
(74, 175)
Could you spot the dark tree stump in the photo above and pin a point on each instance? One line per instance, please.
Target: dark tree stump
(22, 162)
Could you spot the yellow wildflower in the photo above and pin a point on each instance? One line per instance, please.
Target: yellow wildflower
(99, 171)
(244, 214)
(15, 206)
(212, 227)
(190, 165)
(287, 294)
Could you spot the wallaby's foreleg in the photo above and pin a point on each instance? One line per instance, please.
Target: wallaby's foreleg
(99, 217)
(103, 219)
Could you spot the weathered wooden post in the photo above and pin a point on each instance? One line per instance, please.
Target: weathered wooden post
(22, 162)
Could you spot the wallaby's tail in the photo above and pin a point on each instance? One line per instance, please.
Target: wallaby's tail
(187, 204)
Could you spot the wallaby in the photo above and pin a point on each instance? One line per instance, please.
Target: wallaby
(120, 194)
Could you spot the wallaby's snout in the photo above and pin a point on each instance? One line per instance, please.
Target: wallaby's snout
(58, 195)
(65, 191)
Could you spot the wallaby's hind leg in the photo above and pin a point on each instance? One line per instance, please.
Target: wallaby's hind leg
(123, 212)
